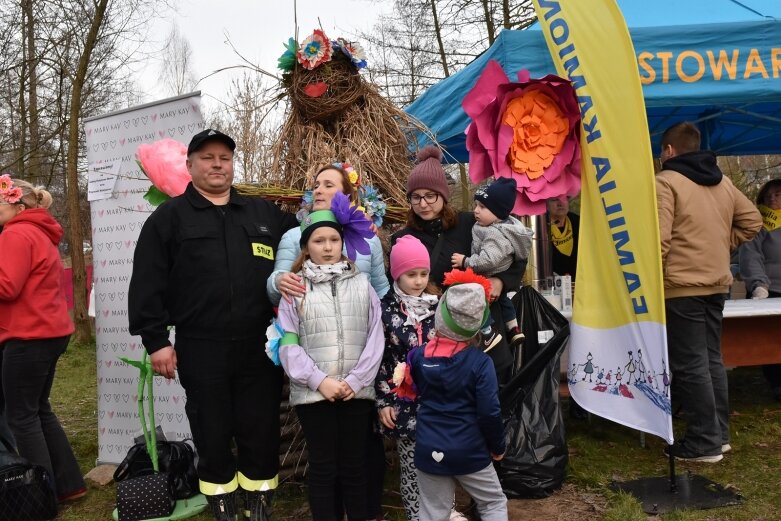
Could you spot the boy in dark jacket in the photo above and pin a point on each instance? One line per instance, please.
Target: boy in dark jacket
(459, 426)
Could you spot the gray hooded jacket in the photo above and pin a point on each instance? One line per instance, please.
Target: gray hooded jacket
(495, 247)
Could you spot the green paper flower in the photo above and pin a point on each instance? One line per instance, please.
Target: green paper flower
(288, 58)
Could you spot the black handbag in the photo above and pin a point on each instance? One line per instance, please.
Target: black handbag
(176, 458)
(26, 489)
(145, 497)
(151, 495)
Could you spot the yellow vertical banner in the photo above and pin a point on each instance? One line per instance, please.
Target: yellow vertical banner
(618, 366)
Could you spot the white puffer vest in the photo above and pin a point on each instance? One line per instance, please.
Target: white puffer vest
(333, 327)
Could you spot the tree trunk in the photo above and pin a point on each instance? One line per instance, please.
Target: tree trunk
(20, 158)
(34, 156)
(466, 202)
(489, 21)
(83, 328)
(440, 45)
(506, 14)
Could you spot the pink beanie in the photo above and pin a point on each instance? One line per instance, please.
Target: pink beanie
(408, 253)
(428, 173)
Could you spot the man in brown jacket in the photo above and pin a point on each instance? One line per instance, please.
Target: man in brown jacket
(702, 217)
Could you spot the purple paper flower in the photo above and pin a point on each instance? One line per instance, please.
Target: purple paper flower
(356, 227)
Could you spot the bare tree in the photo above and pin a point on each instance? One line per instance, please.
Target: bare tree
(83, 330)
(62, 61)
(251, 115)
(422, 41)
(176, 69)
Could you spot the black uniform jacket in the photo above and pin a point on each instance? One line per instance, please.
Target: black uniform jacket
(203, 268)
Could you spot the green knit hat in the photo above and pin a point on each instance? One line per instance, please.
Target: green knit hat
(318, 219)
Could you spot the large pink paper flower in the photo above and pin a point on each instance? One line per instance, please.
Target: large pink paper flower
(163, 163)
(528, 130)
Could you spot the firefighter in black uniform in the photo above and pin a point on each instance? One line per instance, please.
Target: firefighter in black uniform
(201, 265)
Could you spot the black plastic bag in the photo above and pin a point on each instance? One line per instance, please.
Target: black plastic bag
(535, 315)
(535, 463)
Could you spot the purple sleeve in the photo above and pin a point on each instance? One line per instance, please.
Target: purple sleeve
(365, 371)
(299, 367)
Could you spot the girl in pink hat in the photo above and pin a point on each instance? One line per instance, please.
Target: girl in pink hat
(408, 319)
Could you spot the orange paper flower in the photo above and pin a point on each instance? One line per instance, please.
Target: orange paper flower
(539, 132)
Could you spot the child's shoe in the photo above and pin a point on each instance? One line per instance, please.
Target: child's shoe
(516, 338)
(490, 340)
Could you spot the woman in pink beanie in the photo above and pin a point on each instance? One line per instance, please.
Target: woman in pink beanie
(444, 231)
(408, 319)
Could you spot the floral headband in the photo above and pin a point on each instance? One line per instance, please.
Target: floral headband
(369, 198)
(317, 49)
(8, 192)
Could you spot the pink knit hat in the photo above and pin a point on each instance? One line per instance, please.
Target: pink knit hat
(428, 173)
(408, 253)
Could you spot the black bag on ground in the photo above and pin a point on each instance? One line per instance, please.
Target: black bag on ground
(535, 463)
(26, 490)
(176, 458)
(145, 497)
(146, 491)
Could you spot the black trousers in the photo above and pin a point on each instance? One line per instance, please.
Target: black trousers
(336, 439)
(375, 474)
(233, 395)
(27, 373)
(699, 379)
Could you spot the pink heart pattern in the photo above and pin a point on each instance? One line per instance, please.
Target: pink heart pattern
(116, 224)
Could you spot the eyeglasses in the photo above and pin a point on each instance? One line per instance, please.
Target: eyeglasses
(430, 198)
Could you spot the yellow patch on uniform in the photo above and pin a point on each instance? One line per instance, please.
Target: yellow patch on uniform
(261, 250)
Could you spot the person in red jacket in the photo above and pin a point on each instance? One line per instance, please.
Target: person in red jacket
(34, 331)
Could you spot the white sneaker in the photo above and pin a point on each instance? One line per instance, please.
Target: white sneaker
(726, 448)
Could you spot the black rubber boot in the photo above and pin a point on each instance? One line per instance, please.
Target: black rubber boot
(223, 506)
(257, 505)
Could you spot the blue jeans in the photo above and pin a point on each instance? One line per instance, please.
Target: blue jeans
(507, 309)
(27, 369)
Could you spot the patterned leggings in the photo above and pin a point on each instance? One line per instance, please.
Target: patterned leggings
(410, 494)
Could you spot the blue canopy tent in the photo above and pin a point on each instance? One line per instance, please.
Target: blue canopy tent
(724, 76)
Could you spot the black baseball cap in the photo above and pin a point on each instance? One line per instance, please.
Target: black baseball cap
(207, 135)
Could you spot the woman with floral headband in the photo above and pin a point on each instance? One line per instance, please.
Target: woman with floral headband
(34, 330)
(328, 180)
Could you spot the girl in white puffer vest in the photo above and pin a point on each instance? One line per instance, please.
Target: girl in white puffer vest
(331, 350)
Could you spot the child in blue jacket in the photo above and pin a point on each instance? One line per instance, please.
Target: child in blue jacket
(459, 427)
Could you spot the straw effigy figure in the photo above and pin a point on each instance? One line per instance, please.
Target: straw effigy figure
(335, 115)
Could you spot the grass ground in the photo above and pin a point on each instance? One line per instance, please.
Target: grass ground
(601, 452)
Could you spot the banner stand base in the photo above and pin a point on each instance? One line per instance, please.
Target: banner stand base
(690, 492)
